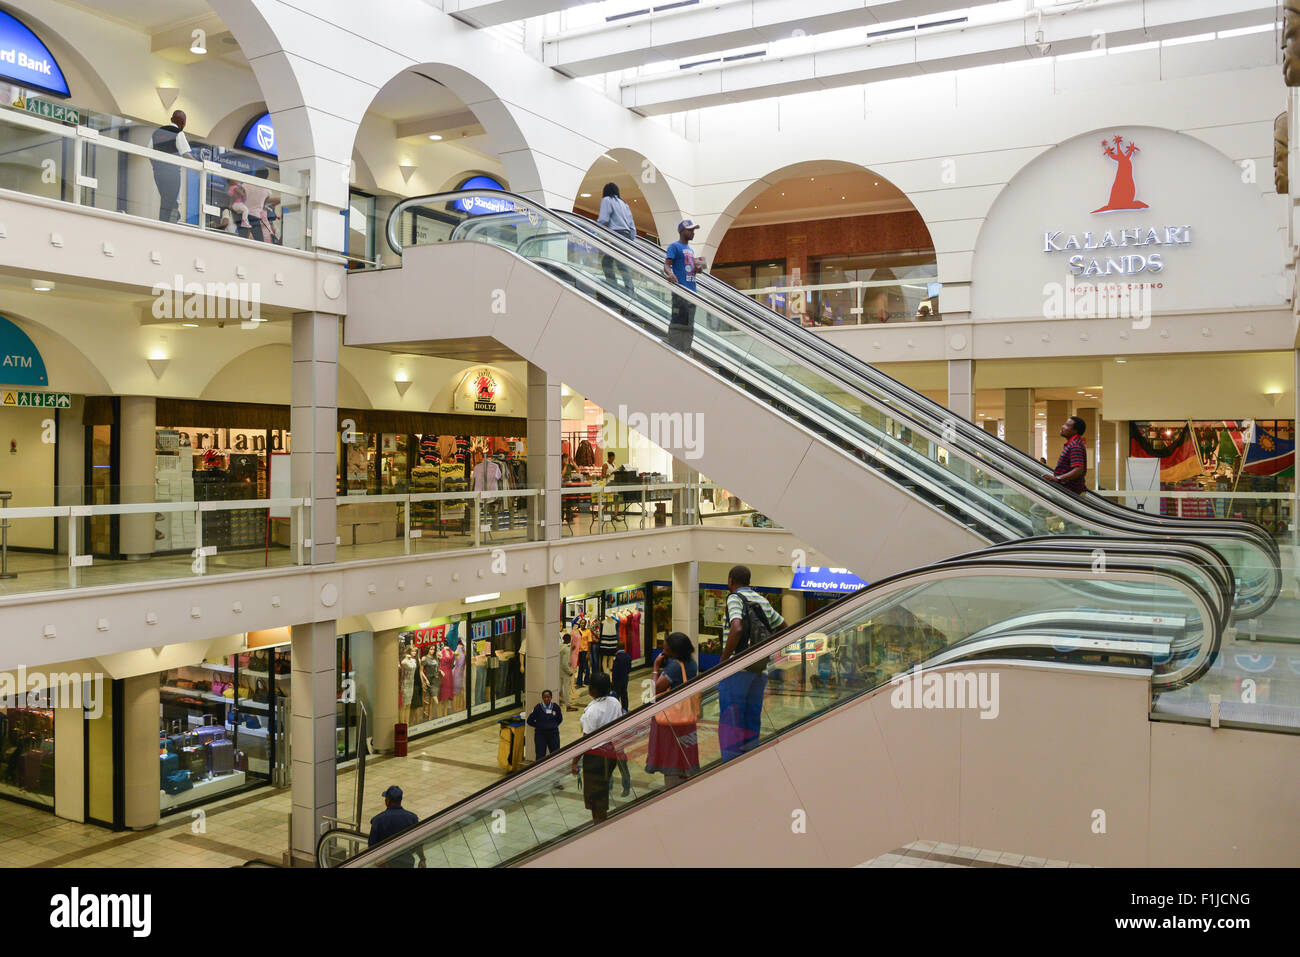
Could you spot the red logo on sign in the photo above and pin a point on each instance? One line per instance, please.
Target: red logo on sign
(486, 386)
(1123, 194)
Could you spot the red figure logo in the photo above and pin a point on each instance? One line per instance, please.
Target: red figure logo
(487, 388)
(1123, 194)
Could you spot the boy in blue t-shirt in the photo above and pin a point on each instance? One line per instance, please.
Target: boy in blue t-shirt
(679, 267)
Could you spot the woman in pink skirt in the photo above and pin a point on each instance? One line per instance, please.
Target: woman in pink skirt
(674, 748)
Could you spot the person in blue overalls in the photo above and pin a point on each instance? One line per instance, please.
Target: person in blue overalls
(546, 718)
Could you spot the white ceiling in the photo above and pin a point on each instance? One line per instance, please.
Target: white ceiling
(149, 16)
(409, 96)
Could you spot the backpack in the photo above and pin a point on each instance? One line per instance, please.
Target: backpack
(754, 628)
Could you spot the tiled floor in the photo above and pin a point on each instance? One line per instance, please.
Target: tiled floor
(439, 770)
(935, 854)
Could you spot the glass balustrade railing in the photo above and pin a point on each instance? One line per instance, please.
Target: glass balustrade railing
(974, 607)
(941, 459)
(100, 169)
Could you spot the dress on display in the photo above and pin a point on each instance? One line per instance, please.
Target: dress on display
(447, 660)
(634, 635)
(416, 699)
(429, 666)
(407, 686)
(458, 672)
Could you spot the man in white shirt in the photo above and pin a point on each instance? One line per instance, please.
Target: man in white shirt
(599, 764)
(166, 176)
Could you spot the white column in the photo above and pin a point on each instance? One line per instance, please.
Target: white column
(1058, 410)
(384, 716)
(961, 387)
(137, 429)
(70, 761)
(140, 709)
(314, 424)
(542, 643)
(544, 427)
(1019, 405)
(312, 733)
(686, 600)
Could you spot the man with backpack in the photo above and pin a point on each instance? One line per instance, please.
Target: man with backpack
(752, 621)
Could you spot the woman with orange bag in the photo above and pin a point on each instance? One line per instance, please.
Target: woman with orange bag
(674, 741)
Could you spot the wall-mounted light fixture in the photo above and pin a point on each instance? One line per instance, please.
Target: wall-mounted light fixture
(402, 382)
(407, 172)
(1274, 396)
(158, 361)
(167, 95)
(474, 599)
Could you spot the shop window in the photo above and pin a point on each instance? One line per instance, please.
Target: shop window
(903, 288)
(27, 751)
(223, 726)
(432, 664)
(751, 275)
(360, 225)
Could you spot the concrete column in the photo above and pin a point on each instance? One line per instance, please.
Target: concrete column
(1019, 405)
(961, 387)
(140, 710)
(685, 502)
(1092, 439)
(792, 606)
(313, 418)
(686, 600)
(544, 427)
(384, 682)
(70, 761)
(137, 429)
(1109, 467)
(542, 643)
(990, 426)
(312, 733)
(1058, 410)
(71, 465)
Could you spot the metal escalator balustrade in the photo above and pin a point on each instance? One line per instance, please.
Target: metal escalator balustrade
(925, 450)
(867, 641)
(1249, 547)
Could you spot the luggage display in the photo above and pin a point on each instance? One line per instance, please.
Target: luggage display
(168, 764)
(221, 756)
(510, 747)
(195, 760)
(241, 760)
(177, 782)
(210, 732)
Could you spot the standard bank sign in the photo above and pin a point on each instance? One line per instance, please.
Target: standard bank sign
(26, 61)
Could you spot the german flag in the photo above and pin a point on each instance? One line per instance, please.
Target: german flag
(1178, 461)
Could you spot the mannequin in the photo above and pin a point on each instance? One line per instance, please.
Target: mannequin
(406, 684)
(446, 684)
(429, 678)
(458, 678)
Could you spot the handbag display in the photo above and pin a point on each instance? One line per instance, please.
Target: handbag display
(261, 692)
(260, 661)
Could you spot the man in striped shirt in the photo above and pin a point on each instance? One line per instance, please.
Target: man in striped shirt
(1072, 466)
(740, 697)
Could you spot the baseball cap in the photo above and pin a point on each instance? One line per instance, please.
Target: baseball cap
(394, 793)
(686, 224)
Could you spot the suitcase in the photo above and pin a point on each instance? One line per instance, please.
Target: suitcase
(210, 731)
(177, 782)
(29, 771)
(221, 756)
(168, 764)
(195, 760)
(241, 760)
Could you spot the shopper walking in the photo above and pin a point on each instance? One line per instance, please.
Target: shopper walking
(582, 635)
(568, 669)
(1072, 466)
(679, 267)
(752, 620)
(599, 763)
(394, 819)
(674, 749)
(545, 721)
(616, 216)
(166, 176)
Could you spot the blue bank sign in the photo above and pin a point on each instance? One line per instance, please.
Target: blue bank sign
(20, 360)
(478, 205)
(834, 581)
(26, 61)
(259, 136)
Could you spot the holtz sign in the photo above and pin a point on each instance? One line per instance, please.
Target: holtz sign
(1114, 247)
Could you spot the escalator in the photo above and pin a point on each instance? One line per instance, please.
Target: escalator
(869, 471)
(1038, 609)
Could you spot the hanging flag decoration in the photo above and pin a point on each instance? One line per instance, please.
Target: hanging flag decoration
(1231, 445)
(1269, 455)
(1178, 460)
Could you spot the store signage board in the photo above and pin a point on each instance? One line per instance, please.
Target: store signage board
(36, 400)
(259, 136)
(26, 61)
(835, 581)
(478, 205)
(20, 360)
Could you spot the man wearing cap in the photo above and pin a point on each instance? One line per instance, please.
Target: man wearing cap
(679, 267)
(394, 819)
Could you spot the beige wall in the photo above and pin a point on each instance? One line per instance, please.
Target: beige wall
(99, 768)
(29, 473)
(1199, 387)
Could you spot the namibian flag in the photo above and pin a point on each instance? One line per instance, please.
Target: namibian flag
(1269, 455)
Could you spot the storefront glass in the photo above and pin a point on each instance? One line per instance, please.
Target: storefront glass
(222, 726)
(627, 606)
(899, 288)
(713, 620)
(27, 750)
(432, 664)
(496, 659)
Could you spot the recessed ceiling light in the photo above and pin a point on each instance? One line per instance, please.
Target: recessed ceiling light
(841, 197)
(197, 47)
(435, 136)
(1081, 392)
(190, 325)
(1121, 361)
(42, 285)
(585, 195)
(877, 183)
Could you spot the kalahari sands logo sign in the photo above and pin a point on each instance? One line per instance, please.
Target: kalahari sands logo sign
(1129, 251)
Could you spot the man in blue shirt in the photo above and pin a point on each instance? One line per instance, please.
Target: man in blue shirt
(679, 267)
(394, 819)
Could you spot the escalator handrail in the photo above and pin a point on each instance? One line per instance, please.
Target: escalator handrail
(915, 402)
(791, 633)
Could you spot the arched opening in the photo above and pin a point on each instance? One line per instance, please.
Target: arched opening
(428, 130)
(655, 210)
(831, 244)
